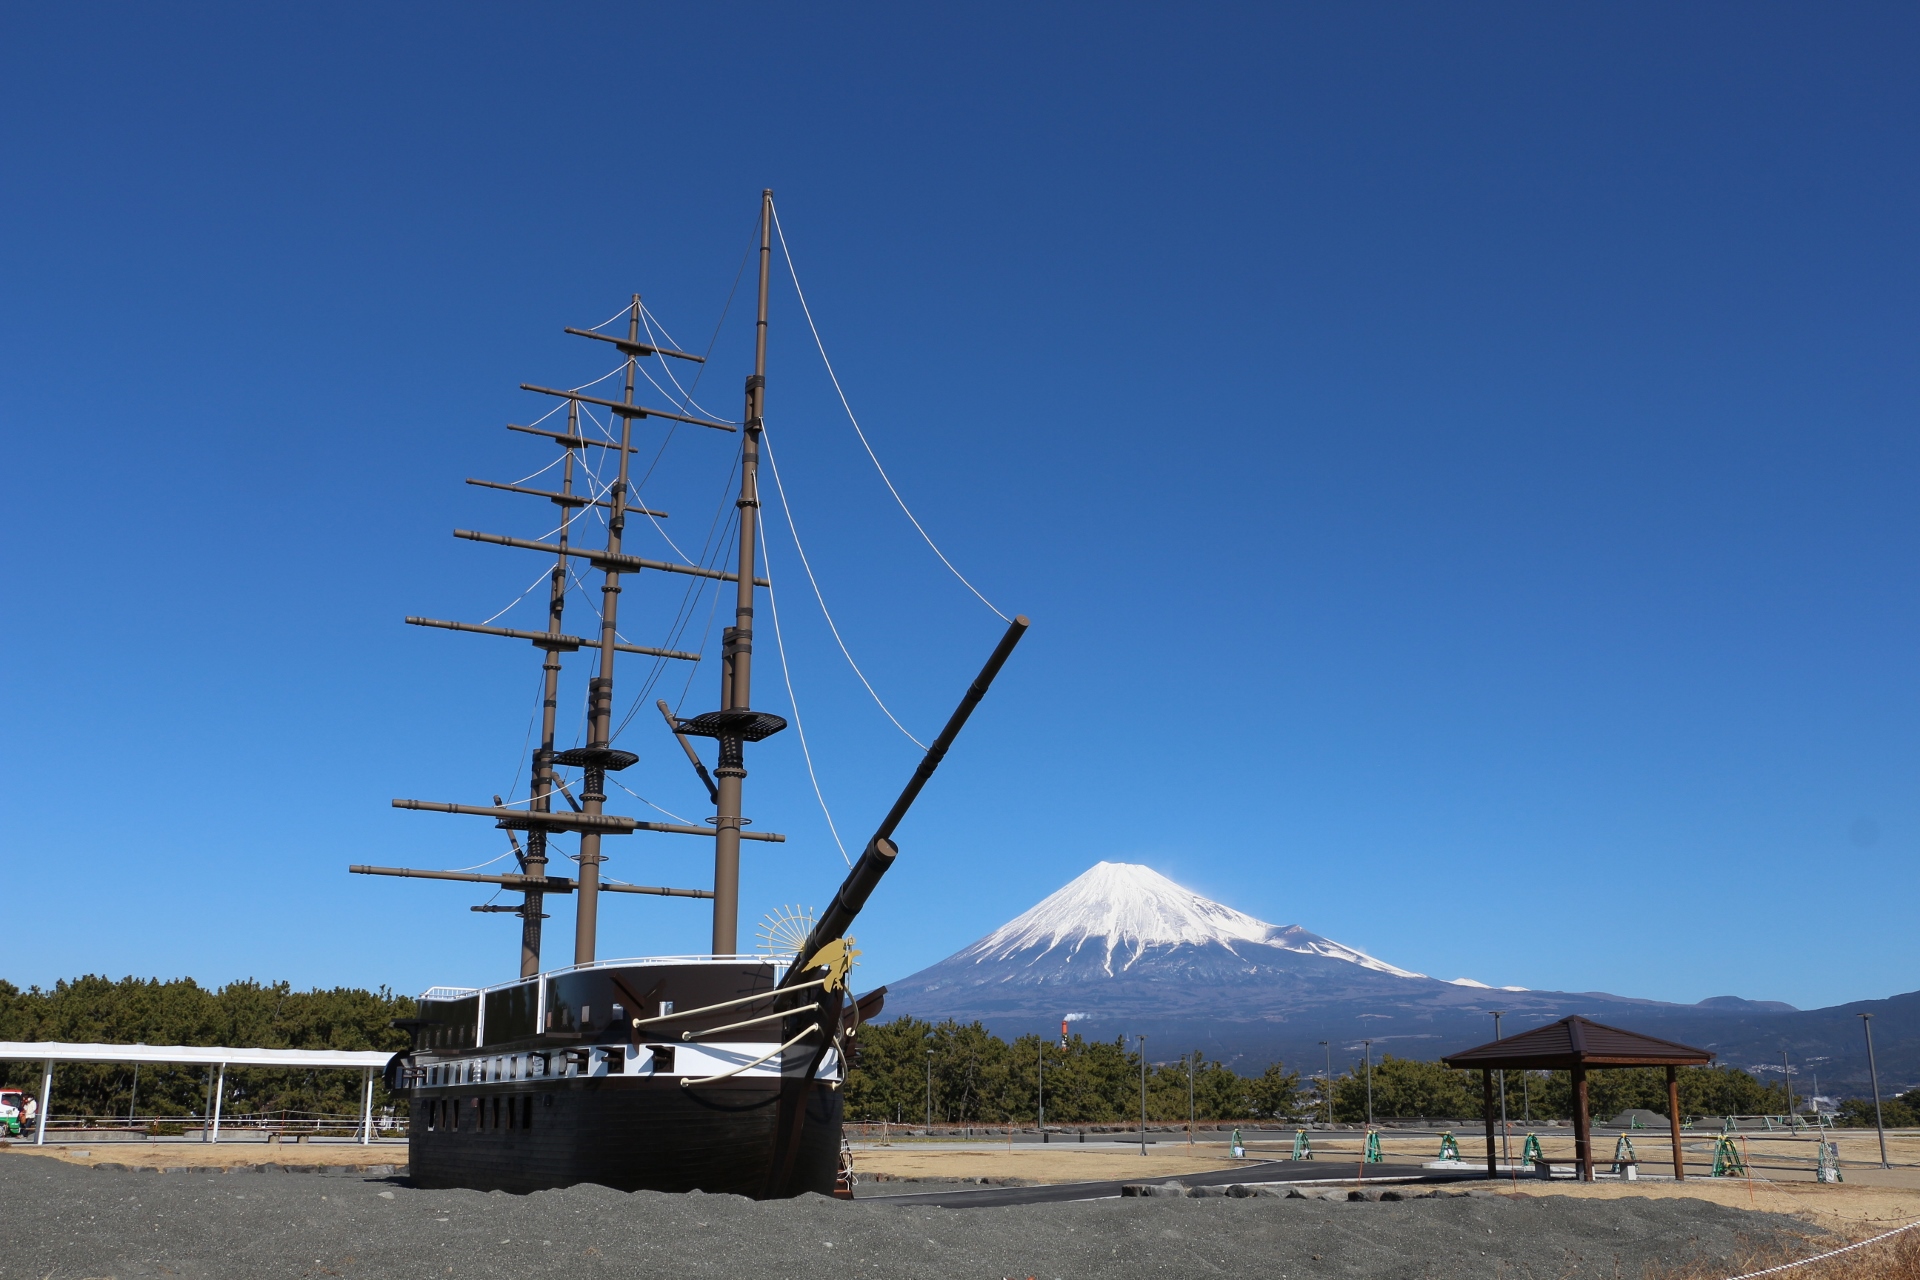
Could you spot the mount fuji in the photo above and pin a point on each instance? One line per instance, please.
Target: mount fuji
(1124, 950)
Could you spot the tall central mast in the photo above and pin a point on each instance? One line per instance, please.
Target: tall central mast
(736, 664)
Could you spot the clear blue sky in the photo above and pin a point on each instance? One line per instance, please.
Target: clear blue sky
(1459, 461)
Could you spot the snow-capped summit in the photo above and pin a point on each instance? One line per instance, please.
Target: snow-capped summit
(1123, 911)
(1122, 951)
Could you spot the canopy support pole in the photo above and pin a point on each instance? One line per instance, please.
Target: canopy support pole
(1582, 1124)
(366, 1111)
(219, 1096)
(1493, 1153)
(1673, 1118)
(46, 1105)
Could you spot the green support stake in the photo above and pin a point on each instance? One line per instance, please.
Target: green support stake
(1373, 1155)
(1726, 1158)
(1829, 1169)
(1302, 1146)
(1449, 1147)
(1531, 1153)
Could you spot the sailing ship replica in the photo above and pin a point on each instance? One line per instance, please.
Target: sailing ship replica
(719, 1072)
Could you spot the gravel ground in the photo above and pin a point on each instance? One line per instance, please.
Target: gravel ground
(64, 1222)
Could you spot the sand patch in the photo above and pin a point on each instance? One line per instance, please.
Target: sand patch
(220, 1155)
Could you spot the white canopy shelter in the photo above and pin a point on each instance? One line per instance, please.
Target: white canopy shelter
(50, 1052)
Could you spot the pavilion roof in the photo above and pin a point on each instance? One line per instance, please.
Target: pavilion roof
(1578, 1042)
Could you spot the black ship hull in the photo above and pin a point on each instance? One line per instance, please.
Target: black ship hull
(590, 1075)
(632, 1135)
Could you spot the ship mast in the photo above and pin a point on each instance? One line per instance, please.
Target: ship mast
(541, 788)
(598, 755)
(588, 816)
(736, 662)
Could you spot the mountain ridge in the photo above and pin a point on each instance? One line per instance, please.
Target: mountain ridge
(1128, 951)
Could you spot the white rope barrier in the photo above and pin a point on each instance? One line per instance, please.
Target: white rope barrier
(1822, 1257)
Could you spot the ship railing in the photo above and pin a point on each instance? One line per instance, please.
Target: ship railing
(779, 963)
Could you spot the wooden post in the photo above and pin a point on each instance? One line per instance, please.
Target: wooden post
(1582, 1125)
(1673, 1118)
(1493, 1158)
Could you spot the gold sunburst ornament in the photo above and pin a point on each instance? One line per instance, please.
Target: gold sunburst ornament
(784, 932)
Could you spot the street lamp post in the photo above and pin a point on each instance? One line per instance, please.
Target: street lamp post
(1191, 1057)
(1043, 1088)
(1143, 1095)
(1506, 1143)
(929, 1093)
(1786, 1082)
(1369, 1045)
(1326, 1081)
(1866, 1024)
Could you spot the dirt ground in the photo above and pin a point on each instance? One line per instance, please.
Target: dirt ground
(1850, 1209)
(218, 1155)
(1062, 1163)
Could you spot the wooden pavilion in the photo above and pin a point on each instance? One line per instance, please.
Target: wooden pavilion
(1573, 1045)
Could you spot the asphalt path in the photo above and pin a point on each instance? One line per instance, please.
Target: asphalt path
(1063, 1192)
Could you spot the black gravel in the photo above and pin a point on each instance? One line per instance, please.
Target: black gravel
(65, 1222)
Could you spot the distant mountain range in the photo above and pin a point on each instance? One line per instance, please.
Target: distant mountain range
(1123, 949)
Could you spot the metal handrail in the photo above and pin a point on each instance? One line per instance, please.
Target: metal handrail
(779, 962)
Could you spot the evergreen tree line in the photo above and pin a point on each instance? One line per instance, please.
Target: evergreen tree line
(243, 1014)
(971, 1076)
(976, 1077)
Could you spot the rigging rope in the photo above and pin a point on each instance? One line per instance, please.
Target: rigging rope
(558, 458)
(719, 324)
(690, 600)
(806, 753)
(476, 866)
(619, 368)
(781, 489)
(522, 596)
(649, 319)
(624, 310)
(650, 804)
(821, 346)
